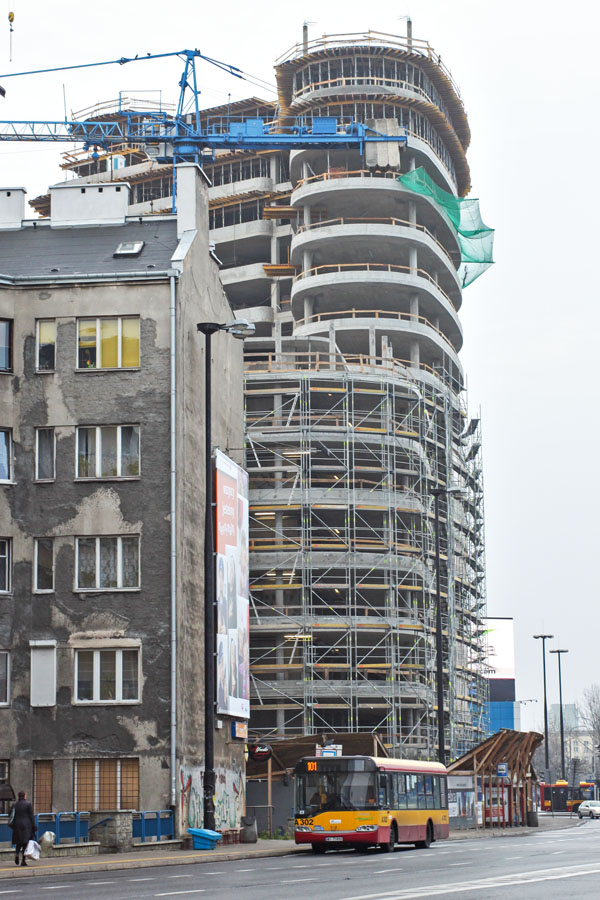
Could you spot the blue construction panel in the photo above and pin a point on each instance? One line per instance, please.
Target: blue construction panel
(155, 825)
(324, 125)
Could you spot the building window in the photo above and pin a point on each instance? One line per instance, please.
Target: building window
(5, 565)
(46, 345)
(42, 786)
(5, 454)
(108, 343)
(4, 677)
(6, 341)
(5, 779)
(106, 784)
(108, 451)
(107, 676)
(42, 675)
(45, 457)
(108, 563)
(44, 565)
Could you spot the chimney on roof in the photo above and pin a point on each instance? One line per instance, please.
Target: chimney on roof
(191, 199)
(88, 204)
(12, 205)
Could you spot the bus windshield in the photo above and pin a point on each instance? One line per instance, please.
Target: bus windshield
(335, 789)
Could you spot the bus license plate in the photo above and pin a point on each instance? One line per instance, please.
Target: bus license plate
(334, 838)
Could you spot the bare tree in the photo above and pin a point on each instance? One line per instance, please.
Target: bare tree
(590, 711)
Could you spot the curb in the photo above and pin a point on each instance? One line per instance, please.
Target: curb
(104, 863)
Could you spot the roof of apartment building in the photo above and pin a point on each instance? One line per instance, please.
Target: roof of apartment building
(85, 250)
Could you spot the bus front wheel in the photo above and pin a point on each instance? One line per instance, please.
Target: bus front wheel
(423, 845)
(388, 846)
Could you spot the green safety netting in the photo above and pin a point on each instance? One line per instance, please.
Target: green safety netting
(476, 240)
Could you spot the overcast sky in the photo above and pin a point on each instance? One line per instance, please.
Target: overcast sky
(528, 75)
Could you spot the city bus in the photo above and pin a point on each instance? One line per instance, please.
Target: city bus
(358, 801)
(563, 797)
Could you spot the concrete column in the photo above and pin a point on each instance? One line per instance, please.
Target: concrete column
(307, 258)
(414, 305)
(273, 168)
(372, 342)
(412, 212)
(305, 170)
(412, 164)
(309, 305)
(332, 345)
(415, 353)
(413, 260)
(307, 214)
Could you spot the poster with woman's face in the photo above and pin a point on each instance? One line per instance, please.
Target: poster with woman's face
(233, 674)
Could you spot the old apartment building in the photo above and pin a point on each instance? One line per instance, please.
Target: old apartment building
(101, 529)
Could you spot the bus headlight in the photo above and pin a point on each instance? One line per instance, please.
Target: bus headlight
(303, 828)
(367, 828)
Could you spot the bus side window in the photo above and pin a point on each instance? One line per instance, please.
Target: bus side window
(401, 791)
(429, 791)
(436, 792)
(384, 801)
(421, 792)
(411, 791)
(444, 792)
(393, 779)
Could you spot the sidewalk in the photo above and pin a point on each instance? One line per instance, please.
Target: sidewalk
(156, 857)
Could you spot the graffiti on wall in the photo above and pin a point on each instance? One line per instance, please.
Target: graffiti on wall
(230, 796)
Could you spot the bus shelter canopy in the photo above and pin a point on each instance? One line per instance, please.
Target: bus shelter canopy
(514, 748)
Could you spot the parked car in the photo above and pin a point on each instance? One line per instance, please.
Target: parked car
(589, 808)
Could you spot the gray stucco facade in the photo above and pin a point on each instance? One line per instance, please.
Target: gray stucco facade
(86, 554)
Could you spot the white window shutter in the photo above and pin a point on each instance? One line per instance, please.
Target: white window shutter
(43, 673)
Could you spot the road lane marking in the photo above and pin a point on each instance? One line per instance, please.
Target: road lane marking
(213, 873)
(297, 880)
(517, 878)
(185, 876)
(300, 867)
(19, 891)
(244, 870)
(90, 883)
(514, 857)
(383, 871)
(55, 887)
(176, 893)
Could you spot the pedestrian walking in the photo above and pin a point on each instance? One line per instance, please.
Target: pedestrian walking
(23, 826)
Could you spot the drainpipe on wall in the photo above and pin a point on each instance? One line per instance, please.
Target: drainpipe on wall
(173, 766)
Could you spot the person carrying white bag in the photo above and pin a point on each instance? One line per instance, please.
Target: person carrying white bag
(22, 822)
(32, 850)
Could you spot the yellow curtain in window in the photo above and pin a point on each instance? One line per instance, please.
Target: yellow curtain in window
(48, 332)
(130, 354)
(109, 341)
(87, 344)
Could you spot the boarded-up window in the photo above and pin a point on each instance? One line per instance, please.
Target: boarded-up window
(106, 784)
(43, 673)
(42, 785)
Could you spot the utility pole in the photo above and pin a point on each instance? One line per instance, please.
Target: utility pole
(544, 638)
(562, 723)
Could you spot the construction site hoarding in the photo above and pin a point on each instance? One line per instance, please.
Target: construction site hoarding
(233, 670)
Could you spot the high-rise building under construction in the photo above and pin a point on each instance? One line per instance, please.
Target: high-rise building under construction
(352, 269)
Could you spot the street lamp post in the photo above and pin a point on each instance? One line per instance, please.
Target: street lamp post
(544, 638)
(562, 723)
(439, 637)
(240, 329)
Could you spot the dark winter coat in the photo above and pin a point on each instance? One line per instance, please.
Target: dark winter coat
(23, 826)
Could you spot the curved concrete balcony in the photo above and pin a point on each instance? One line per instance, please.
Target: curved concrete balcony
(241, 190)
(363, 194)
(246, 285)
(351, 324)
(389, 239)
(290, 364)
(365, 285)
(369, 84)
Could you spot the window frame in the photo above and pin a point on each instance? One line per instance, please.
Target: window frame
(107, 590)
(36, 589)
(39, 370)
(8, 566)
(11, 461)
(97, 778)
(6, 702)
(37, 454)
(99, 367)
(11, 334)
(98, 452)
(118, 651)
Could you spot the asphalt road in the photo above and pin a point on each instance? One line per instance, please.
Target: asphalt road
(549, 865)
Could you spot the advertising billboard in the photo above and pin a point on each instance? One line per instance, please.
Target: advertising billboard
(233, 658)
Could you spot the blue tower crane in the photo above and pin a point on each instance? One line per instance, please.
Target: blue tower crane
(187, 136)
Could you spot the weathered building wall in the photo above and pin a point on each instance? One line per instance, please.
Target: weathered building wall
(200, 289)
(66, 508)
